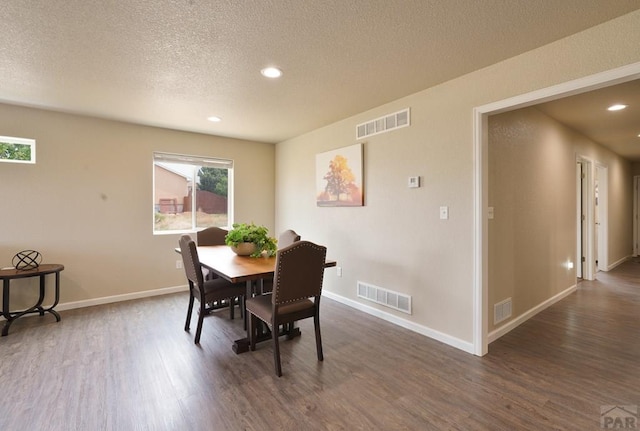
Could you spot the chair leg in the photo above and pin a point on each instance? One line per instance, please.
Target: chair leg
(200, 319)
(188, 322)
(232, 306)
(276, 349)
(253, 322)
(316, 323)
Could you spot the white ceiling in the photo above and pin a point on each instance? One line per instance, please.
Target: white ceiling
(172, 63)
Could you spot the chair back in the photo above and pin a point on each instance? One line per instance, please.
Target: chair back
(287, 238)
(191, 263)
(211, 236)
(299, 272)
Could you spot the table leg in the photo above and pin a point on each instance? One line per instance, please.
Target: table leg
(56, 300)
(5, 307)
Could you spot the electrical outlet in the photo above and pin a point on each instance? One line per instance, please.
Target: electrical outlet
(339, 271)
(444, 213)
(178, 264)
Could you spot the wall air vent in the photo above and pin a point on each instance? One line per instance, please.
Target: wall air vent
(388, 298)
(501, 310)
(384, 124)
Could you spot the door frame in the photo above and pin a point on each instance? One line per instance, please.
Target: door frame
(480, 178)
(602, 209)
(587, 226)
(636, 215)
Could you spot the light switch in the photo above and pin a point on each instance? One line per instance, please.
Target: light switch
(414, 182)
(444, 213)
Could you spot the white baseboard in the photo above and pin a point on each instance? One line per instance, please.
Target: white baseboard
(115, 298)
(619, 262)
(420, 329)
(494, 335)
(120, 298)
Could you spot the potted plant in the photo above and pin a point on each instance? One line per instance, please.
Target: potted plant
(251, 240)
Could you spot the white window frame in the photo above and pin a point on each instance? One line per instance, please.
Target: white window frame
(201, 161)
(20, 141)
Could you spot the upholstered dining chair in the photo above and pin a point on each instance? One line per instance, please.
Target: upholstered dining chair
(210, 236)
(205, 291)
(285, 239)
(215, 236)
(298, 278)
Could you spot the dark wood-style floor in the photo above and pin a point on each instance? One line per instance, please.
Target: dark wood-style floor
(130, 366)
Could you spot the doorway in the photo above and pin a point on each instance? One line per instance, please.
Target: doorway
(481, 226)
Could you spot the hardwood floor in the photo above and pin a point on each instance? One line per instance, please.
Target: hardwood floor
(130, 366)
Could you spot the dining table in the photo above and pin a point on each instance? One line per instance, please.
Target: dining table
(223, 261)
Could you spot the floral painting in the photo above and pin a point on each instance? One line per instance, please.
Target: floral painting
(339, 177)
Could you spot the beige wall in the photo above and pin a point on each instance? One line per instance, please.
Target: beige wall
(88, 202)
(532, 187)
(397, 240)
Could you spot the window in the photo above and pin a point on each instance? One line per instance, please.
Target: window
(17, 150)
(191, 192)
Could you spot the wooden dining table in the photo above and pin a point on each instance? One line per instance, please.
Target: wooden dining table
(221, 260)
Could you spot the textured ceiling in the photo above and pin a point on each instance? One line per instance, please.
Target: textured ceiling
(172, 63)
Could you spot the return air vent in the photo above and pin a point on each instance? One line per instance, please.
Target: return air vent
(388, 298)
(502, 310)
(384, 124)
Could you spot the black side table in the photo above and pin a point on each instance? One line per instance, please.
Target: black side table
(6, 275)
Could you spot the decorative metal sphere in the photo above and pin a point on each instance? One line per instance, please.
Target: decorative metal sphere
(26, 259)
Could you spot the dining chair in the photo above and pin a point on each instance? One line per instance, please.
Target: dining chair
(215, 236)
(285, 239)
(210, 236)
(205, 291)
(298, 278)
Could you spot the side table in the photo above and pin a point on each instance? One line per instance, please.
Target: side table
(6, 275)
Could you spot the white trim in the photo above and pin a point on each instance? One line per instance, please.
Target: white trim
(420, 329)
(636, 230)
(494, 335)
(480, 166)
(589, 224)
(115, 298)
(20, 141)
(618, 262)
(120, 298)
(603, 216)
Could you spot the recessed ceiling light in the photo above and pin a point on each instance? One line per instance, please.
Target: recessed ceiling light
(271, 72)
(616, 107)
(214, 119)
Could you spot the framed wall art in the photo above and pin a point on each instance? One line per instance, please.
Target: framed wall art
(339, 177)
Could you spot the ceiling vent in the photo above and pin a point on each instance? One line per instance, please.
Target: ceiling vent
(384, 124)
